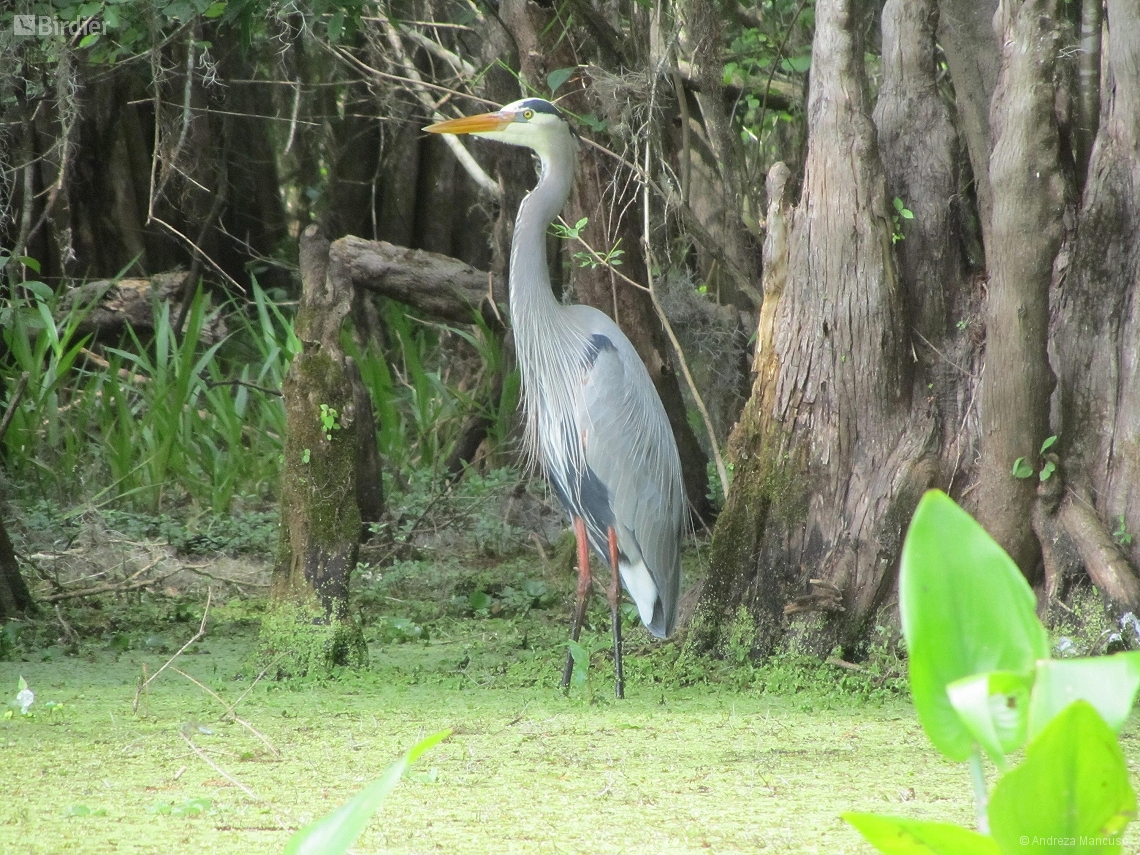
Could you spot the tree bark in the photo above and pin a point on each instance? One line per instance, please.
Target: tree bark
(1097, 325)
(308, 627)
(15, 598)
(1029, 200)
(443, 288)
(919, 146)
(830, 454)
(966, 33)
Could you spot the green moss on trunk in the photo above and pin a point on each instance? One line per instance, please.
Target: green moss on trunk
(298, 639)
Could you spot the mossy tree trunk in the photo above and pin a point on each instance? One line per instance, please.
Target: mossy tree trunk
(838, 441)
(308, 627)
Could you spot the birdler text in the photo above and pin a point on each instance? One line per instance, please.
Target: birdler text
(46, 25)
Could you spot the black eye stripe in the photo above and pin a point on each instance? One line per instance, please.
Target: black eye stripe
(541, 106)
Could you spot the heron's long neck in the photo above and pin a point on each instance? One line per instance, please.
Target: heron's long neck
(549, 349)
(533, 306)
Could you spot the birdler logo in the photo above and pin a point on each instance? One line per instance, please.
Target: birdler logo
(46, 25)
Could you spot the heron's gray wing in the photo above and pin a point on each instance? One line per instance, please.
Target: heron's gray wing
(629, 447)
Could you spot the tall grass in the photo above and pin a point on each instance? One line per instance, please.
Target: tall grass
(165, 419)
(154, 422)
(420, 408)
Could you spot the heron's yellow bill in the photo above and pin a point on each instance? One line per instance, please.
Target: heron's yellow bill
(473, 124)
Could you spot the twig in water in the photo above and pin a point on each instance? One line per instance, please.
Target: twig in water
(229, 711)
(196, 637)
(217, 768)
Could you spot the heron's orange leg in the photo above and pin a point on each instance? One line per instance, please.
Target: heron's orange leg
(583, 592)
(615, 614)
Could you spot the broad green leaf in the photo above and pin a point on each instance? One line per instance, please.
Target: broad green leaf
(966, 609)
(29, 262)
(215, 10)
(334, 833)
(798, 64)
(995, 709)
(40, 289)
(559, 76)
(1021, 469)
(1048, 443)
(336, 26)
(1109, 683)
(1073, 786)
(898, 836)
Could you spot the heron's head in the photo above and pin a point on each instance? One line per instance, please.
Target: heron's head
(530, 122)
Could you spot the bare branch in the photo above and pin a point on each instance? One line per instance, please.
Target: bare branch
(198, 636)
(485, 182)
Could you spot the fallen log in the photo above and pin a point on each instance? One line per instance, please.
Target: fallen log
(441, 287)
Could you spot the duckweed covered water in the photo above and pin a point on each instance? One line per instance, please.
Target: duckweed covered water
(695, 765)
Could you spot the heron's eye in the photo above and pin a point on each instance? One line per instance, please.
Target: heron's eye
(528, 114)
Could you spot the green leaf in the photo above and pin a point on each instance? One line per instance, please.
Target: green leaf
(40, 289)
(29, 262)
(559, 76)
(21, 684)
(1048, 443)
(581, 658)
(89, 40)
(479, 600)
(334, 833)
(1109, 683)
(799, 64)
(216, 10)
(1073, 786)
(336, 26)
(179, 9)
(1021, 469)
(966, 609)
(1047, 470)
(898, 836)
(994, 707)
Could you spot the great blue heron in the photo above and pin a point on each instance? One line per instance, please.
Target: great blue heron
(593, 418)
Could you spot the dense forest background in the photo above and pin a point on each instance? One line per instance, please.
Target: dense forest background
(864, 249)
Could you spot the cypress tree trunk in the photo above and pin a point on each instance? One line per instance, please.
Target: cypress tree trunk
(308, 627)
(836, 445)
(1096, 328)
(1029, 200)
